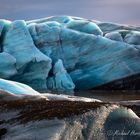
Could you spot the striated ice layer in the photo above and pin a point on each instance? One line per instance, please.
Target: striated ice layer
(16, 88)
(63, 53)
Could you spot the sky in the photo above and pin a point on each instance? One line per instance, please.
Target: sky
(119, 11)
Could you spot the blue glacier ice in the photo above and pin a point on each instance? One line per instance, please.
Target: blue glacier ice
(7, 65)
(16, 88)
(66, 53)
(60, 81)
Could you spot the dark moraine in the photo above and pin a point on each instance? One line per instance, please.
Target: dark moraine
(36, 117)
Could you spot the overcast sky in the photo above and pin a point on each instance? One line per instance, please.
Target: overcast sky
(120, 11)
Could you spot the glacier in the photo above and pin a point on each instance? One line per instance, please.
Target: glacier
(66, 53)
